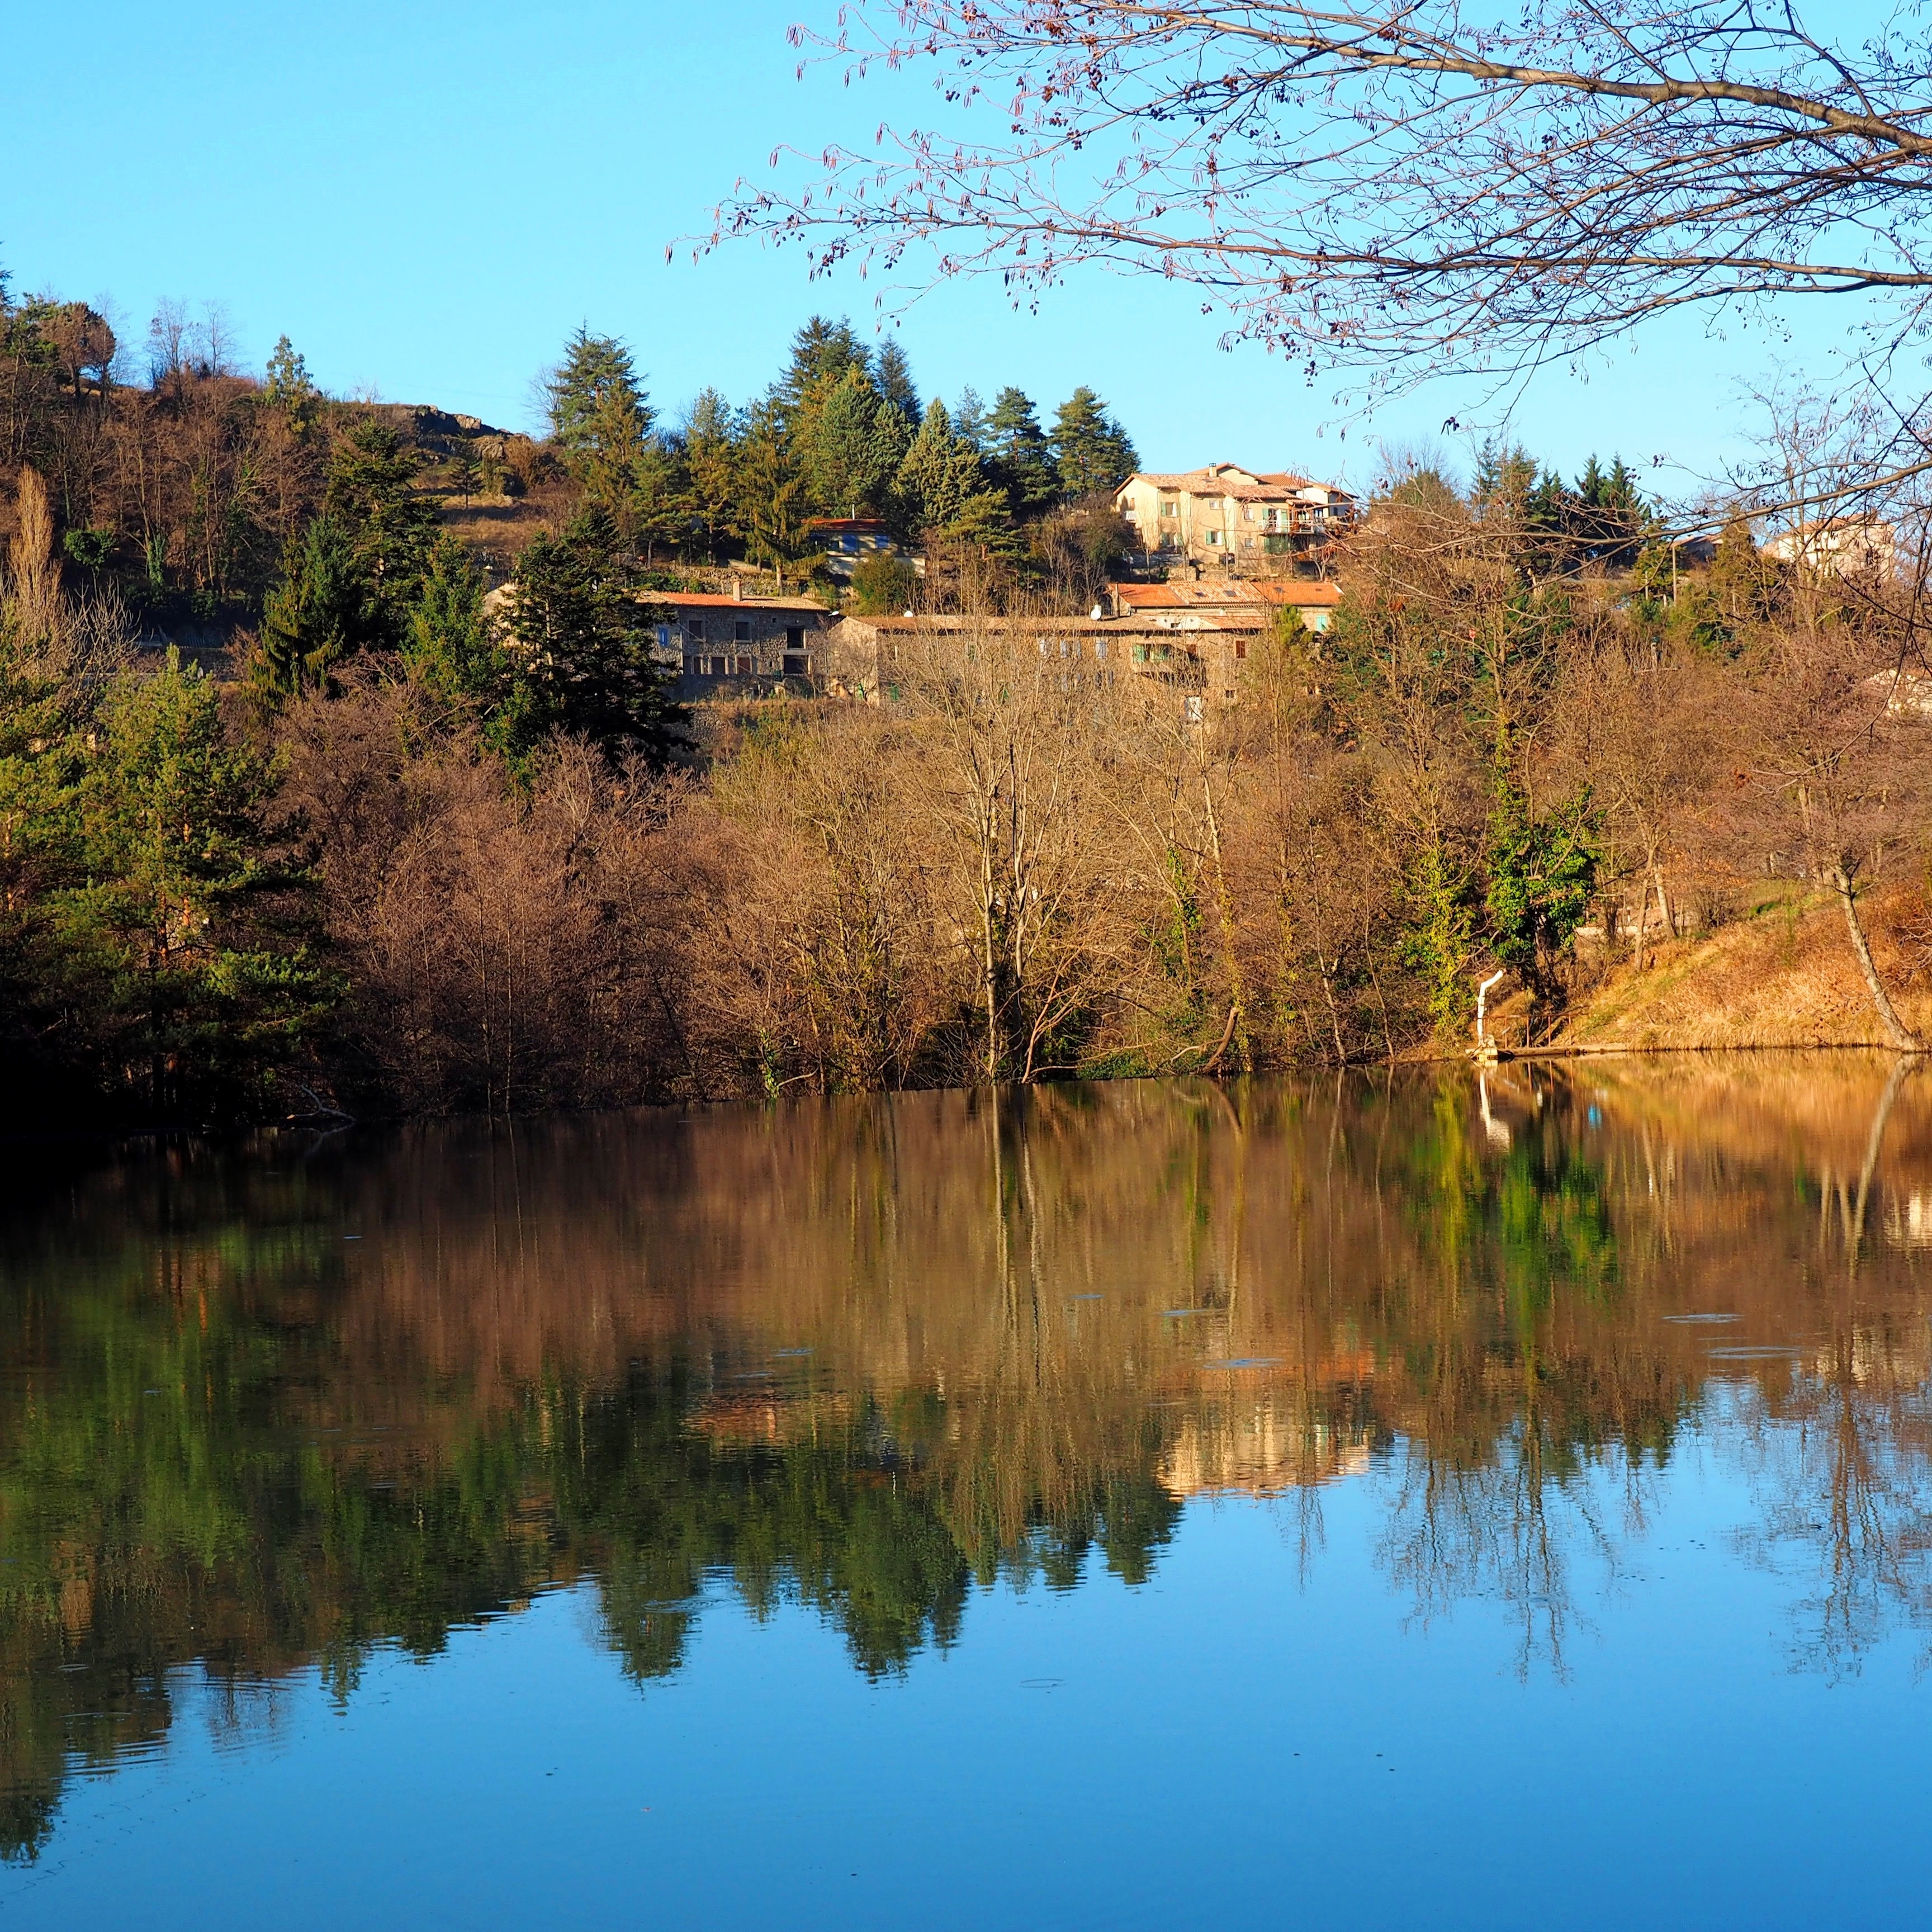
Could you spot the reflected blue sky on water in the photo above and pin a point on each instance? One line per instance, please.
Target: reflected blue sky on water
(825, 1515)
(1253, 1731)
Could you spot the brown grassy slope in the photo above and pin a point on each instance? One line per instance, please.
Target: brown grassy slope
(1783, 977)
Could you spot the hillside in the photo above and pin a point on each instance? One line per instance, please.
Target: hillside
(1784, 975)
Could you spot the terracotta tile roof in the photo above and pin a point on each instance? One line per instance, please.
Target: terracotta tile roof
(1244, 486)
(1303, 593)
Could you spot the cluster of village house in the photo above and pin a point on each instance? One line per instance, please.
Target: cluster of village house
(1237, 546)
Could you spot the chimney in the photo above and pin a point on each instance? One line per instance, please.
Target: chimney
(737, 588)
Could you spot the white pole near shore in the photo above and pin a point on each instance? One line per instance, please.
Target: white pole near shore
(1485, 1047)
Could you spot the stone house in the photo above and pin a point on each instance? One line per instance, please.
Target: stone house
(1838, 546)
(716, 644)
(1235, 519)
(1193, 656)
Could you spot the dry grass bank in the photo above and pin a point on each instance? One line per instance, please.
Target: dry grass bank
(1784, 976)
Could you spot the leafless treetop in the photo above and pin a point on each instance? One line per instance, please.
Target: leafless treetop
(1398, 189)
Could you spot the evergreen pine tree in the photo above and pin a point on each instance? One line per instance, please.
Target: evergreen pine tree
(940, 477)
(1019, 457)
(602, 421)
(1505, 478)
(597, 406)
(711, 440)
(452, 653)
(821, 352)
(287, 386)
(321, 612)
(892, 375)
(970, 419)
(772, 494)
(853, 447)
(198, 978)
(588, 642)
(390, 526)
(1092, 453)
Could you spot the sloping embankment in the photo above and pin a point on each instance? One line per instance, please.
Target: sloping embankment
(1783, 977)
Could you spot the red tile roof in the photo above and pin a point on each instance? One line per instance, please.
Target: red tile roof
(1303, 593)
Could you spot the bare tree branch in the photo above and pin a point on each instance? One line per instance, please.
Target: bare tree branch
(1395, 191)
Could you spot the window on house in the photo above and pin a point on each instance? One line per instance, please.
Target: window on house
(694, 626)
(1240, 647)
(797, 664)
(1170, 509)
(746, 666)
(741, 630)
(1140, 654)
(1274, 520)
(1100, 649)
(794, 637)
(1214, 538)
(694, 666)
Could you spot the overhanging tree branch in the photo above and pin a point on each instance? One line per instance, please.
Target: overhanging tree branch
(1387, 192)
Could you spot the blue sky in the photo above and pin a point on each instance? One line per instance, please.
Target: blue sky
(427, 196)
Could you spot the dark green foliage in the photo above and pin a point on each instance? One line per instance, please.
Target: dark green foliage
(601, 422)
(1542, 870)
(350, 579)
(710, 445)
(883, 584)
(89, 549)
(322, 611)
(822, 353)
(1091, 452)
(166, 952)
(390, 525)
(597, 409)
(1609, 518)
(452, 651)
(891, 375)
(1018, 456)
(587, 643)
(286, 385)
(772, 506)
(1604, 519)
(851, 446)
(942, 487)
(971, 419)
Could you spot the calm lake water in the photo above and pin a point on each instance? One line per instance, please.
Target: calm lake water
(1406, 1502)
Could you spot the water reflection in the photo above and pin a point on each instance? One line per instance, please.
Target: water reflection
(263, 1413)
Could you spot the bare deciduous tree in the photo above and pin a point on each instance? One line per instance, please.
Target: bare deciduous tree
(1398, 190)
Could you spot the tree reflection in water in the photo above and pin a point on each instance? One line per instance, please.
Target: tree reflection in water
(264, 1410)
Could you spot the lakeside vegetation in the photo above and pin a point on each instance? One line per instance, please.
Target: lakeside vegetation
(423, 855)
